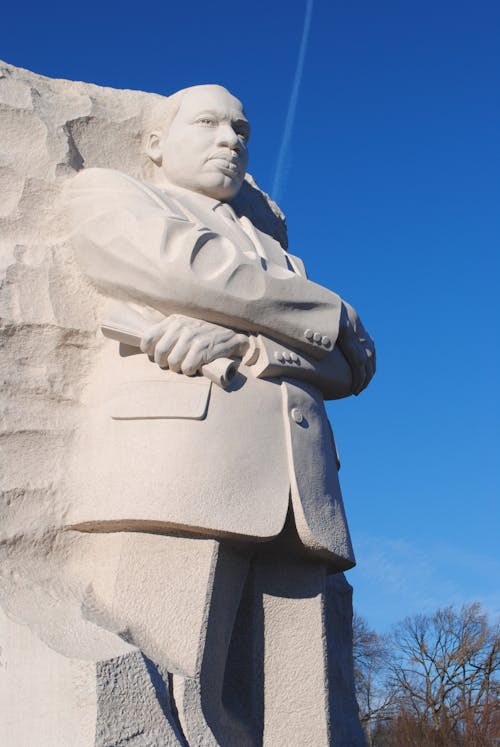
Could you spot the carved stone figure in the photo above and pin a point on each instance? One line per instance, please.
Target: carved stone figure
(202, 500)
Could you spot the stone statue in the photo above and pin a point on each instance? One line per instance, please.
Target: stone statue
(202, 482)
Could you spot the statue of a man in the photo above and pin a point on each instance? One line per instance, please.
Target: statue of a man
(226, 493)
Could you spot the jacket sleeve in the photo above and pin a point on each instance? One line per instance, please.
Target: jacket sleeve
(331, 375)
(136, 246)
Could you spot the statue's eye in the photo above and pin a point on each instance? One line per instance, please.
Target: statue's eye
(206, 121)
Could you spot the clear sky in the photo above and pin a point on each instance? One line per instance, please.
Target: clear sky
(391, 186)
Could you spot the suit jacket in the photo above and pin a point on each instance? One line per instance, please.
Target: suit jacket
(164, 452)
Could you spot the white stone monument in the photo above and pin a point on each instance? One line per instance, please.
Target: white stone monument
(172, 529)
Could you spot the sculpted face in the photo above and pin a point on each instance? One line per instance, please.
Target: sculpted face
(205, 148)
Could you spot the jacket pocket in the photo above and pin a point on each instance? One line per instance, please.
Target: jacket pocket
(156, 400)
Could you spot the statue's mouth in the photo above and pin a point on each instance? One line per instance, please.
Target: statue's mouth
(227, 161)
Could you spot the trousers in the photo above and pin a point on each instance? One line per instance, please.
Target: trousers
(253, 641)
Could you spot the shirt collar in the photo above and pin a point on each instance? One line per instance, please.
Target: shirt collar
(189, 195)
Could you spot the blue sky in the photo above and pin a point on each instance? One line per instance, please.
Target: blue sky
(391, 189)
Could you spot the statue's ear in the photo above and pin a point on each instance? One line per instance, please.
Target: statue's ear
(153, 147)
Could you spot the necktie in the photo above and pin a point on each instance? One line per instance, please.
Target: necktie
(226, 211)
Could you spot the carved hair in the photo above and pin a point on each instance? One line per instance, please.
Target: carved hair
(164, 111)
(159, 116)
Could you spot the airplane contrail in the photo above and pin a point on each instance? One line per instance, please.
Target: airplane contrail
(292, 106)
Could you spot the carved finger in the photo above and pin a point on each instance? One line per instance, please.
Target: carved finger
(370, 367)
(195, 357)
(179, 350)
(151, 337)
(362, 382)
(352, 352)
(371, 370)
(165, 345)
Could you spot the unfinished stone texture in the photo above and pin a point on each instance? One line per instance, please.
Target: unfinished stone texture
(172, 531)
(49, 338)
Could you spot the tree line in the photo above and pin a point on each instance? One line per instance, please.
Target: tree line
(432, 682)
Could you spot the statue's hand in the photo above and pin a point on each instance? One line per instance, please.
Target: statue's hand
(357, 347)
(184, 344)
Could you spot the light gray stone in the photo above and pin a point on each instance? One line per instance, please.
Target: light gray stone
(170, 519)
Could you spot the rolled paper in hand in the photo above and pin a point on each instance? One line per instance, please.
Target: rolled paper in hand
(128, 326)
(221, 371)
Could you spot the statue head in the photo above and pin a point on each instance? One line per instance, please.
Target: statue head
(203, 145)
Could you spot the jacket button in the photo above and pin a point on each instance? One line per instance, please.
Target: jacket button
(297, 415)
(279, 357)
(308, 334)
(294, 357)
(326, 341)
(317, 337)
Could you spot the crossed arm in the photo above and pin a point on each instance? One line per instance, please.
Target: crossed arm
(135, 247)
(183, 344)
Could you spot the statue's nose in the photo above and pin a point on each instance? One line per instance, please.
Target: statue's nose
(228, 137)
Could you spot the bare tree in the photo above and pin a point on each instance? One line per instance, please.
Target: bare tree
(371, 659)
(445, 671)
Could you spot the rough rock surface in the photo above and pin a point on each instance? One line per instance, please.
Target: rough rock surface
(48, 334)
